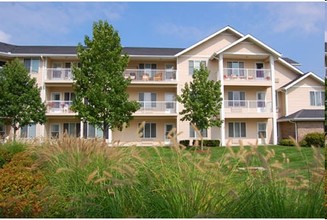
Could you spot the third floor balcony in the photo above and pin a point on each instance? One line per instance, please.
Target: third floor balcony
(59, 75)
(242, 76)
(252, 108)
(151, 75)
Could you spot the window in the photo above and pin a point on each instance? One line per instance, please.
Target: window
(28, 131)
(148, 99)
(194, 134)
(2, 130)
(235, 68)
(148, 68)
(55, 128)
(317, 98)
(236, 99)
(149, 130)
(32, 65)
(94, 132)
(195, 65)
(236, 129)
(72, 129)
(262, 133)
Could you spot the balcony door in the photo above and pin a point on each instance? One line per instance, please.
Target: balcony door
(168, 128)
(261, 101)
(236, 99)
(259, 70)
(57, 68)
(170, 102)
(55, 102)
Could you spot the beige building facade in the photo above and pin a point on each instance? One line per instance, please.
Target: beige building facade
(260, 89)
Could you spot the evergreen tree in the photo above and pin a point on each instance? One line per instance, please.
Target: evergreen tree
(201, 99)
(20, 100)
(100, 87)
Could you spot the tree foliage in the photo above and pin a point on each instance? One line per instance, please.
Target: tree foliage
(201, 99)
(100, 87)
(20, 100)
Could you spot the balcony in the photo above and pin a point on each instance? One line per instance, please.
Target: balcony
(247, 108)
(240, 76)
(56, 107)
(157, 108)
(59, 75)
(151, 75)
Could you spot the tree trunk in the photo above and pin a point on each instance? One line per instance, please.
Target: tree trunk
(15, 131)
(201, 143)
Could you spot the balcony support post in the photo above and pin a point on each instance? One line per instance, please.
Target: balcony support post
(222, 111)
(273, 98)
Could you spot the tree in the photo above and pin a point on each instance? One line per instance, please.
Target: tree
(100, 87)
(201, 99)
(20, 100)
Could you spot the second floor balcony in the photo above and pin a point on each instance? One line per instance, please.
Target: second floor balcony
(252, 108)
(157, 108)
(59, 107)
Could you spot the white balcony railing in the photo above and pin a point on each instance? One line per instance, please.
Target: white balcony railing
(59, 74)
(150, 74)
(55, 106)
(248, 106)
(246, 74)
(166, 107)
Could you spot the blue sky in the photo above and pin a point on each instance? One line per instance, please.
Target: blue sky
(295, 29)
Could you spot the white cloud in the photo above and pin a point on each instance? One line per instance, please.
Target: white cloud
(4, 37)
(301, 16)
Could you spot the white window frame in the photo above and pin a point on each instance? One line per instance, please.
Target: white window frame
(98, 133)
(236, 71)
(146, 126)
(264, 131)
(52, 131)
(318, 98)
(30, 131)
(195, 65)
(72, 129)
(234, 130)
(236, 102)
(194, 134)
(30, 68)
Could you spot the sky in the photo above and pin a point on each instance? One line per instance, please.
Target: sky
(295, 29)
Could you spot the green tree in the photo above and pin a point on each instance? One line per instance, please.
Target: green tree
(201, 99)
(20, 100)
(100, 87)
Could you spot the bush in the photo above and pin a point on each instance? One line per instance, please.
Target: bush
(8, 150)
(207, 143)
(315, 139)
(286, 142)
(185, 143)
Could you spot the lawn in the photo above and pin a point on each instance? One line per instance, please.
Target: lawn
(79, 178)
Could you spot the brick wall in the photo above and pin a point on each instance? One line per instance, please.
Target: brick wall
(287, 129)
(309, 127)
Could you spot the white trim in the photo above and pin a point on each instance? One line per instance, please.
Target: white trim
(273, 98)
(248, 36)
(290, 65)
(208, 38)
(302, 78)
(222, 85)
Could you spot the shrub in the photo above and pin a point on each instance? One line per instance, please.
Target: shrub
(315, 139)
(286, 142)
(185, 143)
(8, 150)
(211, 143)
(20, 187)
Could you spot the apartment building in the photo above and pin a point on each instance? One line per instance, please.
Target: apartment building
(266, 97)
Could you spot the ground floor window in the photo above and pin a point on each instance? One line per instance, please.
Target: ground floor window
(2, 130)
(94, 132)
(236, 129)
(262, 130)
(54, 130)
(28, 131)
(149, 130)
(72, 129)
(193, 133)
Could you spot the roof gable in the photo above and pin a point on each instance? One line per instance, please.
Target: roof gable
(227, 28)
(250, 38)
(299, 79)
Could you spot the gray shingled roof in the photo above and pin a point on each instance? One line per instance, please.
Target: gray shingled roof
(141, 51)
(305, 115)
(69, 50)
